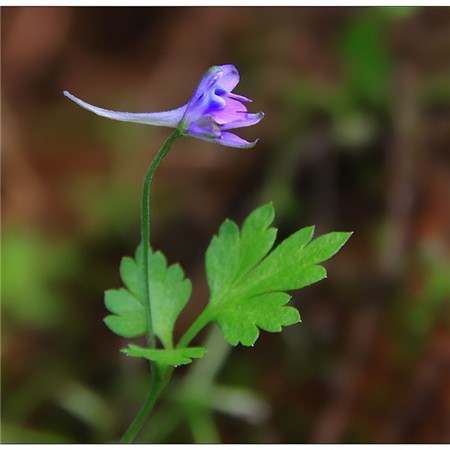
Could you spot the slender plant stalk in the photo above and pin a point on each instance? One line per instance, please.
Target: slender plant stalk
(137, 423)
(202, 320)
(145, 228)
(158, 380)
(161, 378)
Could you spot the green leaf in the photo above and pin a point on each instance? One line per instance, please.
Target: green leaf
(247, 287)
(256, 238)
(294, 264)
(230, 256)
(129, 315)
(131, 273)
(222, 258)
(175, 357)
(240, 320)
(169, 293)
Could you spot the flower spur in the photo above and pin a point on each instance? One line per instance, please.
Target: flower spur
(212, 110)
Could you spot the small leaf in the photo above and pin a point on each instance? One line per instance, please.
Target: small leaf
(175, 357)
(169, 293)
(247, 287)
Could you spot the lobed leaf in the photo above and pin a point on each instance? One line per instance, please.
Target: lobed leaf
(173, 357)
(247, 287)
(169, 293)
(294, 264)
(231, 254)
(240, 320)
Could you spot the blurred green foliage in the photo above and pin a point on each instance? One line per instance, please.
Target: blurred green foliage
(34, 271)
(431, 301)
(366, 59)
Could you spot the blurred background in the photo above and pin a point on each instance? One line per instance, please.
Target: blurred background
(356, 138)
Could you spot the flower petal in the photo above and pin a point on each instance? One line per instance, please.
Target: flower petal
(251, 119)
(239, 97)
(232, 140)
(234, 110)
(227, 139)
(195, 106)
(230, 77)
(164, 118)
(209, 132)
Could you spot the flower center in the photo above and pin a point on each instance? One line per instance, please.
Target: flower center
(216, 101)
(220, 91)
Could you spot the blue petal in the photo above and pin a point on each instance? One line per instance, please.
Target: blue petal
(209, 132)
(251, 119)
(196, 105)
(214, 136)
(230, 77)
(232, 140)
(239, 97)
(165, 118)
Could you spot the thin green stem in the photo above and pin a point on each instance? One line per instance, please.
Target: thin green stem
(159, 380)
(205, 370)
(145, 228)
(202, 320)
(137, 423)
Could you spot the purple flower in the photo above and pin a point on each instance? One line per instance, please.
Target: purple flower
(212, 110)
